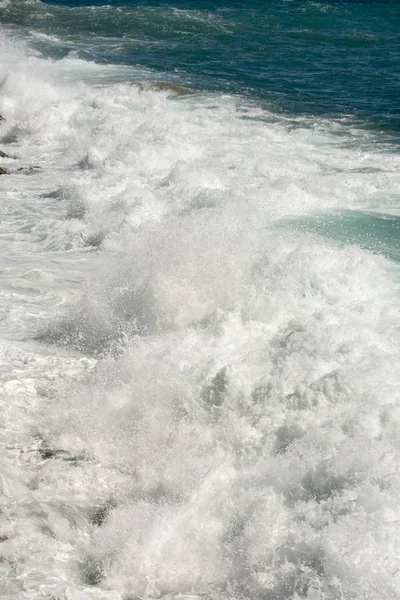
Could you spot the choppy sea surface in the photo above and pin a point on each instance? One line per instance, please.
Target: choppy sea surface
(199, 300)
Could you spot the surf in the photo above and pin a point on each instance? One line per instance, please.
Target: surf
(199, 341)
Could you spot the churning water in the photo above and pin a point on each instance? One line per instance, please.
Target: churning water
(200, 319)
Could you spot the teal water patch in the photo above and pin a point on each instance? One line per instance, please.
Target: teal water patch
(376, 232)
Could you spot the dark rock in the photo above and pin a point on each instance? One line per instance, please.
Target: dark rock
(4, 155)
(27, 170)
(3, 171)
(2, 119)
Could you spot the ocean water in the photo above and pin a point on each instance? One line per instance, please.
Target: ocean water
(199, 300)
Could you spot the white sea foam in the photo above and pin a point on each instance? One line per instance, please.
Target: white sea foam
(194, 404)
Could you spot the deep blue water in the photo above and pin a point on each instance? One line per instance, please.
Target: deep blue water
(333, 58)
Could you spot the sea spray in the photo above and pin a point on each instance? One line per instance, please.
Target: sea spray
(199, 337)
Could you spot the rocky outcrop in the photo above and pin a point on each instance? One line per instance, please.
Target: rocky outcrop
(3, 172)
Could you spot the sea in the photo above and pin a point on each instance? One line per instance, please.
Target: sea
(200, 300)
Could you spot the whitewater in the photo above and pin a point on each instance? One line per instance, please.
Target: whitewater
(200, 385)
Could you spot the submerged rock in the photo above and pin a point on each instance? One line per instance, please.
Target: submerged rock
(172, 89)
(2, 118)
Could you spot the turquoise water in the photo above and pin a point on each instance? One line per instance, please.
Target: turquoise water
(375, 232)
(199, 300)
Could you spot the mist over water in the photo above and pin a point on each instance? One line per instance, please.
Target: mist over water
(199, 317)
